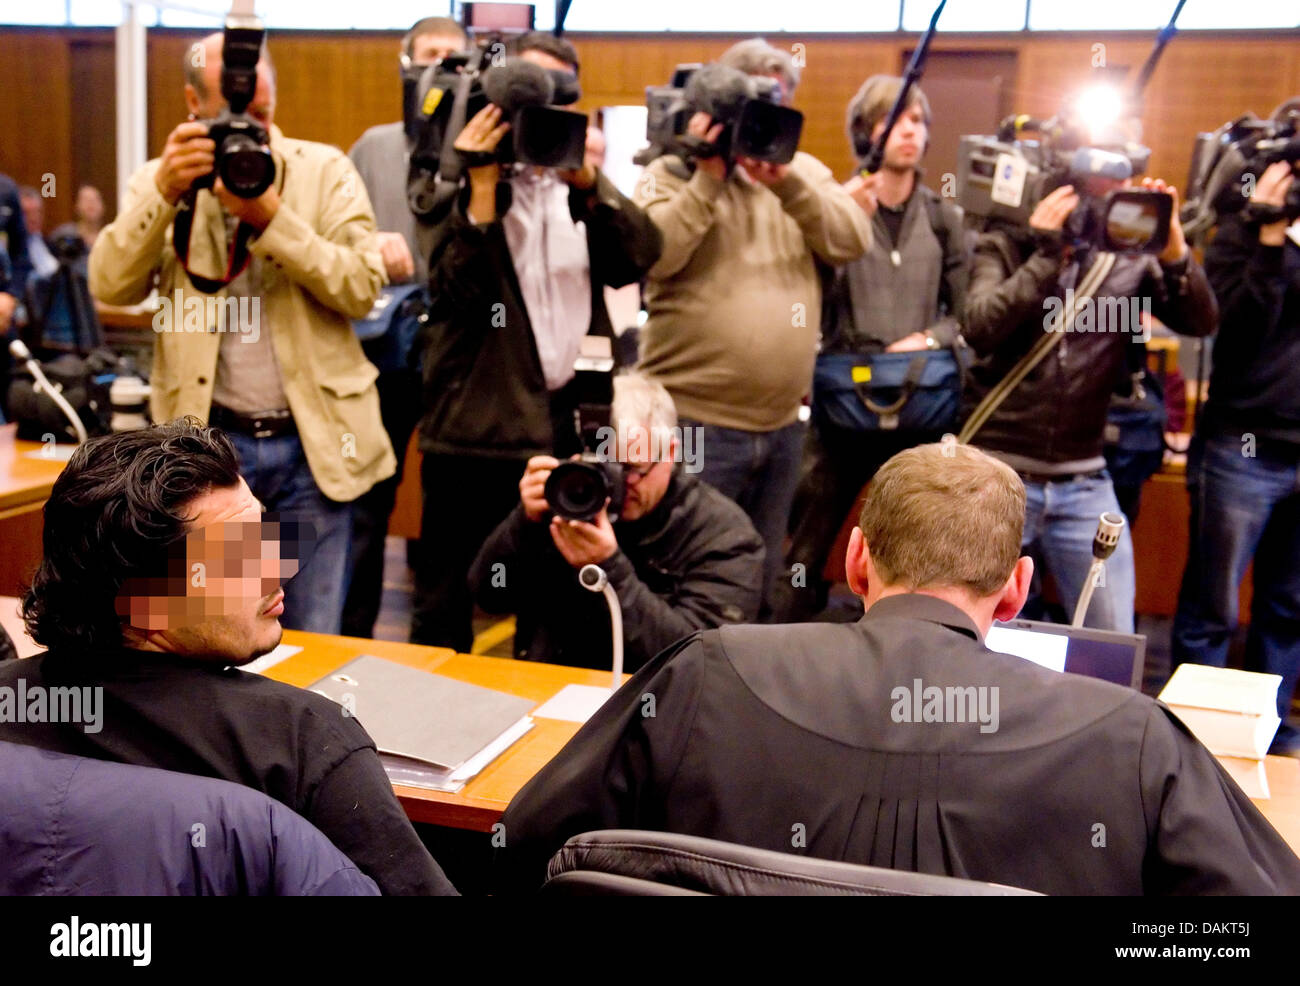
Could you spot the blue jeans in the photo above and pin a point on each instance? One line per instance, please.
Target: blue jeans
(276, 470)
(1242, 507)
(1060, 523)
(759, 470)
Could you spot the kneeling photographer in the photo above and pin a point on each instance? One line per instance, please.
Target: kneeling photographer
(680, 555)
(1049, 314)
(516, 280)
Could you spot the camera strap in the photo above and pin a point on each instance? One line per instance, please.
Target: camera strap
(237, 257)
(1091, 281)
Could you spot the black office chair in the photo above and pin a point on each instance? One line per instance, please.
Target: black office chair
(624, 863)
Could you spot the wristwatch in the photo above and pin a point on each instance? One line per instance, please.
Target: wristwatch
(931, 342)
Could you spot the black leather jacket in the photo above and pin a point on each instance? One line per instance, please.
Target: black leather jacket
(1058, 413)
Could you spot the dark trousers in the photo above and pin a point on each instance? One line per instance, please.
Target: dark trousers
(836, 465)
(465, 498)
(399, 404)
(1243, 505)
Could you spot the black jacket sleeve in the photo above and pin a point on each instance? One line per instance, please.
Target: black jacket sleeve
(515, 545)
(1247, 277)
(1000, 298)
(721, 583)
(16, 231)
(355, 806)
(623, 241)
(611, 774)
(1181, 297)
(1207, 836)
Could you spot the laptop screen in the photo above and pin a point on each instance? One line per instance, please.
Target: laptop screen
(1113, 657)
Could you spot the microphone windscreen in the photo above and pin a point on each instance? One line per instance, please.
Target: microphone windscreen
(516, 83)
(718, 90)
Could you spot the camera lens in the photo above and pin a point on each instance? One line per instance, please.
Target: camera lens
(245, 166)
(577, 490)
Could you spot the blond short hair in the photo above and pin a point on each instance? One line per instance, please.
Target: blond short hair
(944, 515)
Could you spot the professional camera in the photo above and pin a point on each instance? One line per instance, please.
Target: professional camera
(1228, 162)
(540, 134)
(577, 490)
(243, 154)
(1005, 177)
(756, 125)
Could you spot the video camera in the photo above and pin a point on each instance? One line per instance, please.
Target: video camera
(243, 153)
(1228, 162)
(540, 134)
(756, 125)
(1005, 177)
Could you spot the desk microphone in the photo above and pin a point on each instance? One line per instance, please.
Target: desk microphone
(20, 351)
(593, 578)
(1109, 528)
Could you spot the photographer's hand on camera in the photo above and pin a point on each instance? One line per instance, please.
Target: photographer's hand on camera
(701, 125)
(532, 487)
(1176, 247)
(1270, 192)
(187, 155)
(1048, 219)
(585, 544)
(477, 144)
(257, 212)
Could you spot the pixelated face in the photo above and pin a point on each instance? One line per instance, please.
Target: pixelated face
(221, 599)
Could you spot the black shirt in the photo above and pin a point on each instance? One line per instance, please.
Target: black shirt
(179, 714)
(794, 738)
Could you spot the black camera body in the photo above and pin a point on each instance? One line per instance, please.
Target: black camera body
(755, 124)
(1004, 178)
(578, 489)
(1227, 163)
(243, 146)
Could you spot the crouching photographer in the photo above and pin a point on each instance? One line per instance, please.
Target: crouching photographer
(681, 556)
(516, 281)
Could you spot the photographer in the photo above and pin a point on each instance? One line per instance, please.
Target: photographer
(292, 387)
(901, 297)
(1050, 427)
(382, 158)
(681, 556)
(1244, 461)
(735, 302)
(516, 280)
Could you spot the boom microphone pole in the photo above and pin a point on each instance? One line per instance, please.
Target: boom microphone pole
(913, 74)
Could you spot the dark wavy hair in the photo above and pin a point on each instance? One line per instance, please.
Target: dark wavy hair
(117, 512)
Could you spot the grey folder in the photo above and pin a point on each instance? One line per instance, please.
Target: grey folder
(421, 715)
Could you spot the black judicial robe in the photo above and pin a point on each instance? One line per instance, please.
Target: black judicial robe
(796, 738)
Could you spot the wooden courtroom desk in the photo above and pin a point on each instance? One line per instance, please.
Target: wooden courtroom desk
(25, 484)
(479, 803)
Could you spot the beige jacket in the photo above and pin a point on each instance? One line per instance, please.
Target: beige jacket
(321, 269)
(735, 298)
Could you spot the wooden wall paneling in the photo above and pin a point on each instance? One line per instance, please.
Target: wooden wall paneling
(35, 115)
